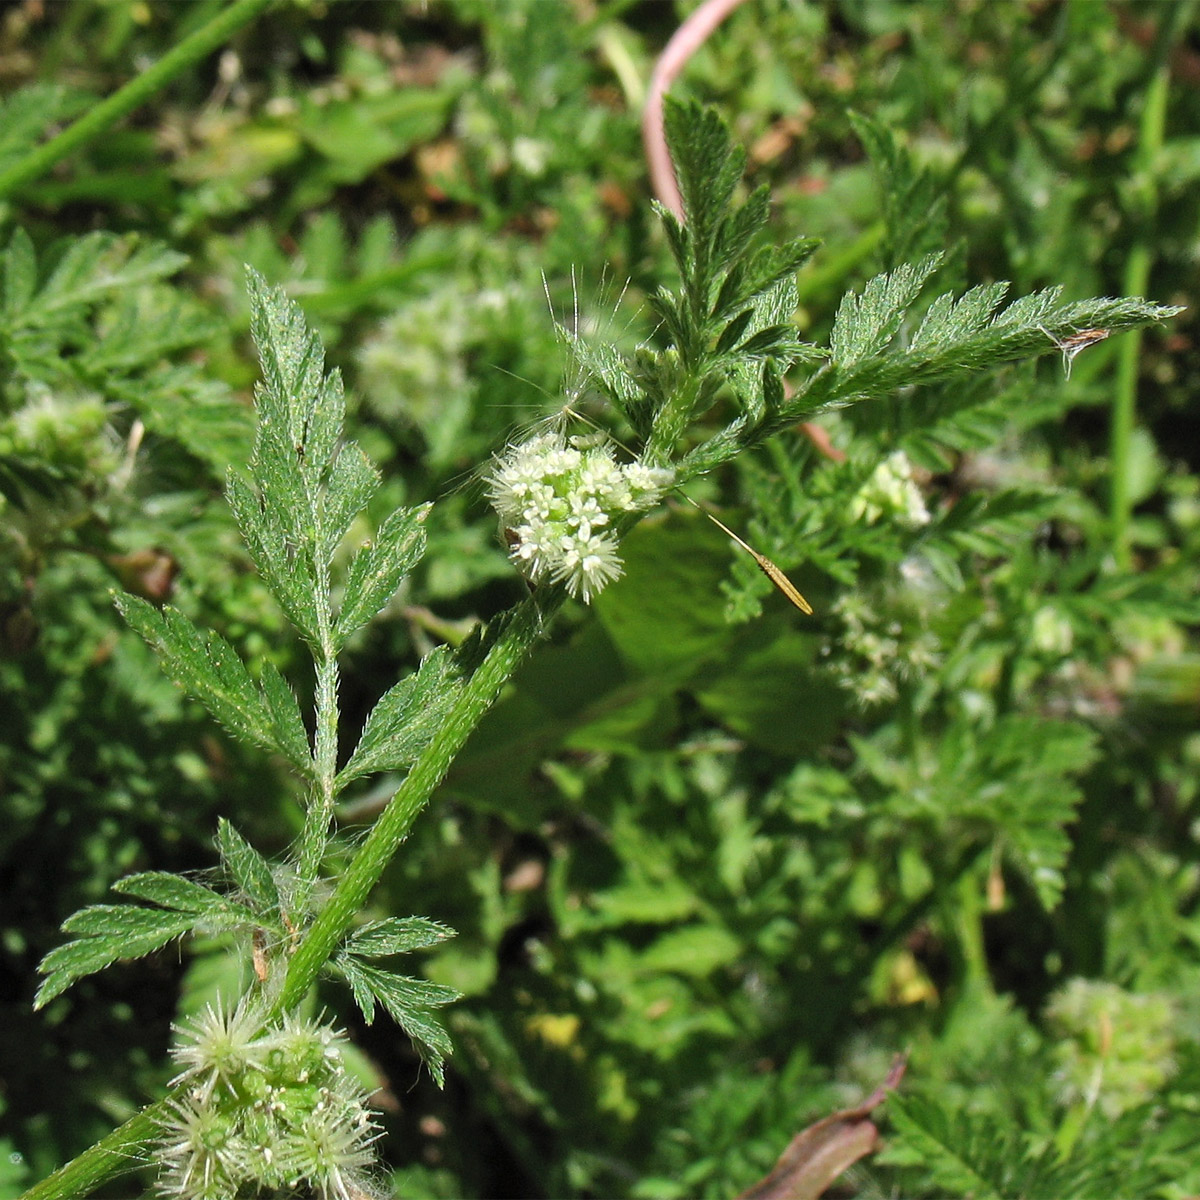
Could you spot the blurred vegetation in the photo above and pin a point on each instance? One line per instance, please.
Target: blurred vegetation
(712, 864)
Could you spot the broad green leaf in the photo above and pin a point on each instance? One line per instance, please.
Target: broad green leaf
(396, 935)
(667, 617)
(772, 692)
(405, 720)
(378, 567)
(247, 868)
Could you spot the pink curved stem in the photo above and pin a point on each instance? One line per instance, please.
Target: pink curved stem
(687, 39)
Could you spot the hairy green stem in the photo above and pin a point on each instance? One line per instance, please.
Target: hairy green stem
(121, 1150)
(122, 102)
(670, 423)
(320, 807)
(325, 743)
(521, 629)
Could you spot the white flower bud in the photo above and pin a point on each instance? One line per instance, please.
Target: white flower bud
(891, 492)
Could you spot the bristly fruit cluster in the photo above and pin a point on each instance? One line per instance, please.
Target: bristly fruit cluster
(266, 1107)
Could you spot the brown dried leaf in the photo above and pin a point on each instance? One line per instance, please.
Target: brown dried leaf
(816, 1156)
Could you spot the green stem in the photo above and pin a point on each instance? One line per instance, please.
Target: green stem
(966, 917)
(315, 836)
(1137, 277)
(1123, 418)
(119, 1151)
(122, 102)
(518, 634)
(320, 808)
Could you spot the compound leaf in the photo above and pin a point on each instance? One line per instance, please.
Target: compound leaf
(287, 725)
(405, 719)
(111, 932)
(396, 935)
(378, 567)
(407, 1001)
(866, 322)
(207, 668)
(248, 869)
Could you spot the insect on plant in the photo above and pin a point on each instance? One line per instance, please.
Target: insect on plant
(1075, 344)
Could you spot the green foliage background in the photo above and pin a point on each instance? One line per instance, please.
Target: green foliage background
(712, 864)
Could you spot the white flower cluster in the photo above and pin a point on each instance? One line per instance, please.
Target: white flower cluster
(891, 492)
(556, 500)
(267, 1108)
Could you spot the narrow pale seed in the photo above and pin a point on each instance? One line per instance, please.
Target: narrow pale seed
(783, 583)
(768, 568)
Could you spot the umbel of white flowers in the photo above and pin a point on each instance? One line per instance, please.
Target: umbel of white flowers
(556, 500)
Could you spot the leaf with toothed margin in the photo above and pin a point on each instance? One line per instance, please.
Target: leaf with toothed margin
(378, 567)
